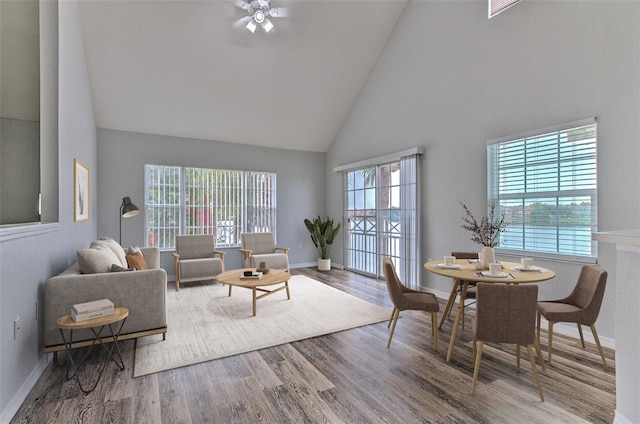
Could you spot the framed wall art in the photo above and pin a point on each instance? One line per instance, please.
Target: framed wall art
(81, 191)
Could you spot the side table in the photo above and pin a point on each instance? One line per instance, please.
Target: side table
(96, 325)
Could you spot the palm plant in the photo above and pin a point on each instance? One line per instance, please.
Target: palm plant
(322, 234)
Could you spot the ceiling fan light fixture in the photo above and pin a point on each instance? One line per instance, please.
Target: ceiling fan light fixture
(251, 26)
(258, 13)
(267, 25)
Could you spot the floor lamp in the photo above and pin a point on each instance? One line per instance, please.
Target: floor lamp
(127, 210)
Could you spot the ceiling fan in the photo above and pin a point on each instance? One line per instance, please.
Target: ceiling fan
(259, 12)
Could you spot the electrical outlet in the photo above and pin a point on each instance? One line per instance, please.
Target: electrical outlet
(16, 327)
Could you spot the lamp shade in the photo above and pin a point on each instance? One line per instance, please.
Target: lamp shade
(128, 209)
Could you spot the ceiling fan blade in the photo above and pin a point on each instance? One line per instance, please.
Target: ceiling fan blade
(242, 22)
(242, 4)
(277, 12)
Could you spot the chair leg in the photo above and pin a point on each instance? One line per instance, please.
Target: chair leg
(391, 317)
(434, 329)
(474, 347)
(449, 306)
(539, 320)
(595, 336)
(476, 367)
(462, 316)
(393, 327)
(550, 347)
(518, 358)
(535, 372)
(177, 283)
(581, 336)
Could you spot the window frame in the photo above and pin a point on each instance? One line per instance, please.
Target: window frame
(240, 192)
(494, 194)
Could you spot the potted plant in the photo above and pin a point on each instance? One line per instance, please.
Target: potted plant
(486, 232)
(323, 233)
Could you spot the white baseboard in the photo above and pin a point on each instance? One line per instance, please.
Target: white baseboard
(618, 418)
(16, 401)
(314, 264)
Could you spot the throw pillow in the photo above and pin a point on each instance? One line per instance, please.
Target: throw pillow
(137, 261)
(133, 250)
(113, 245)
(118, 268)
(96, 261)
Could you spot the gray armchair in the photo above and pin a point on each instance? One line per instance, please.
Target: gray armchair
(196, 259)
(261, 247)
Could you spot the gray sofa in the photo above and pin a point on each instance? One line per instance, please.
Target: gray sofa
(143, 292)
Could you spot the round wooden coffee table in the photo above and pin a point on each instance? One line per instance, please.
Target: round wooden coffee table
(273, 277)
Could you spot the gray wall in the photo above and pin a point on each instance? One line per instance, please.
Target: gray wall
(122, 156)
(449, 80)
(28, 258)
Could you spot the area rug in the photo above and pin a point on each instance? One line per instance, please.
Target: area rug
(205, 324)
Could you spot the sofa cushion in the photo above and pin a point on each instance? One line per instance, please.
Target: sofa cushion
(95, 261)
(113, 246)
(118, 268)
(137, 261)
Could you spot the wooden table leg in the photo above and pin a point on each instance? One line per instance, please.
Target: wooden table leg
(454, 331)
(450, 302)
(286, 284)
(254, 301)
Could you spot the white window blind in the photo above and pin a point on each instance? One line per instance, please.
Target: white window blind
(545, 183)
(207, 201)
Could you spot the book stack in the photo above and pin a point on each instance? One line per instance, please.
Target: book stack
(95, 309)
(251, 275)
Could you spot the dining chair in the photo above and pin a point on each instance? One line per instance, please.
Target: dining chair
(582, 306)
(404, 298)
(505, 313)
(457, 288)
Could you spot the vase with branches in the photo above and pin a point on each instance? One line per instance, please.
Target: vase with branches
(485, 232)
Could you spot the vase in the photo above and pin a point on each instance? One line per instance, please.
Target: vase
(487, 255)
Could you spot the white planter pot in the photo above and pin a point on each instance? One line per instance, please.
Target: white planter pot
(324, 264)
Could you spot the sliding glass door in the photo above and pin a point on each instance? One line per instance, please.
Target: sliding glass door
(382, 215)
(373, 217)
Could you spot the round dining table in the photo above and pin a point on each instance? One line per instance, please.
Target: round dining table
(464, 272)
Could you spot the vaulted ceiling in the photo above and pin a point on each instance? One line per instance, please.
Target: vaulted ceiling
(183, 68)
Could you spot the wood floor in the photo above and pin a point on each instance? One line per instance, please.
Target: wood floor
(345, 377)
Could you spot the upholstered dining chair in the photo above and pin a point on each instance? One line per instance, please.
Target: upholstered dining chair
(404, 298)
(582, 306)
(261, 247)
(505, 313)
(456, 288)
(196, 260)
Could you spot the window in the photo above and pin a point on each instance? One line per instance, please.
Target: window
(497, 6)
(182, 200)
(545, 184)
